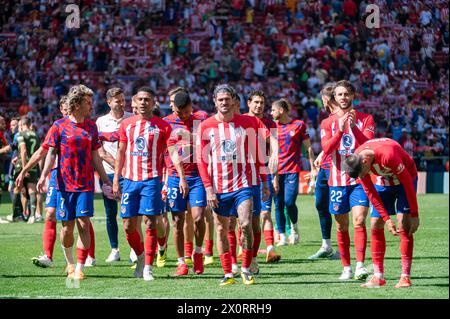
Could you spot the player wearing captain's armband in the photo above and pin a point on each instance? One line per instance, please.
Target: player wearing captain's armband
(341, 134)
(393, 193)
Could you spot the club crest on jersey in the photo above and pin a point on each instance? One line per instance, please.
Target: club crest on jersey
(140, 143)
(171, 203)
(123, 209)
(62, 213)
(335, 207)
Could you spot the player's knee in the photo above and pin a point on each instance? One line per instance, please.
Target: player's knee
(359, 221)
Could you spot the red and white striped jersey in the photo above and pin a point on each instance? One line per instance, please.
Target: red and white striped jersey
(227, 146)
(341, 144)
(146, 141)
(262, 149)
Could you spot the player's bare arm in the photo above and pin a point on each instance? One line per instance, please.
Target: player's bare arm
(98, 166)
(48, 164)
(178, 163)
(118, 166)
(34, 160)
(106, 156)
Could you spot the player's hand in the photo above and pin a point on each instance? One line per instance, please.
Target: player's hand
(391, 227)
(265, 192)
(351, 116)
(164, 193)
(40, 186)
(107, 191)
(316, 163)
(211, 198)
(116, 188)
(19, 180)
(184, 188)
(342, 120)
(413, 225)
(275, 185)
(273, 164)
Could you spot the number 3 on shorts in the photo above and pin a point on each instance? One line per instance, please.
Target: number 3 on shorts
(337, 194)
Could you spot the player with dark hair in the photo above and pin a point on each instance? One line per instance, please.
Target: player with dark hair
(223, 140)
(143, 139)
(291, 135)
(394, 193)
(184, 124)
(256, 102)
(108, 124)
(341, 134)
(321, 174)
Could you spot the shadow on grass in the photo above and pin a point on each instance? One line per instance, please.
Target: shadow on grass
(419, 257)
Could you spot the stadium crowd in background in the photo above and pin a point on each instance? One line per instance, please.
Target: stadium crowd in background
(287, 48)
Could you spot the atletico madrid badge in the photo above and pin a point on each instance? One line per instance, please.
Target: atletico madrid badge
(171, 204)
(336, 207)
(123, 209)
(62, 213)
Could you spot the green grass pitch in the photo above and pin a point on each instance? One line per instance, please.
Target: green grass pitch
(293, 277)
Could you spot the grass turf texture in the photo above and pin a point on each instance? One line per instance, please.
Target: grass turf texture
(293, 277)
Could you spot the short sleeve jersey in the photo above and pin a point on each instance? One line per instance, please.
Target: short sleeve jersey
(74, 143)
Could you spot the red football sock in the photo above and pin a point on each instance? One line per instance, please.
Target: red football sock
(92, 247)
(49, 238)
(239, 234)
(209, 244)
(343, 239)
(406, 250)
(247, 257)
(135, 242)
(150, 246)
(188, 249)
(256, 243)
(82, 255)
(360, 243)
(225, 260)
(162, 241)
(232, 240)
(269, 237)
(378, 248)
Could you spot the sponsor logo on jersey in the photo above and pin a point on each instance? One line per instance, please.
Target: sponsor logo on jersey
(140, 143)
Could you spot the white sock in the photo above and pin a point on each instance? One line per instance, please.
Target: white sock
(162, 248)
(115, 250)
(282, 237)
(348, 268)
(379, 275)
(405, 275)
(269, 248)
(326, 244)
(68, 254)
(147, 268)
(294, 228)
(243, 269)
(230, 275)
(359, 264)
(198, 250)
(181, 260)
(79, 267)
